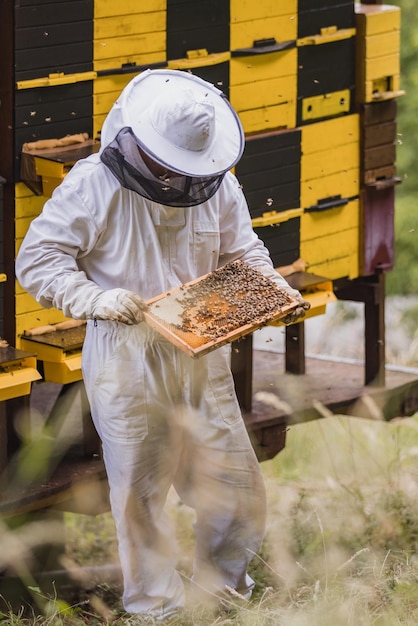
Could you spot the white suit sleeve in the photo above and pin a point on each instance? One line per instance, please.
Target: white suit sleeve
(46, 265)
(239, 241)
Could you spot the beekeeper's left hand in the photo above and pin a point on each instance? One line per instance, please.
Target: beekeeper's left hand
(298, 313)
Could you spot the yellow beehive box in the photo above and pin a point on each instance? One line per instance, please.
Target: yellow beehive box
(377, 52)
(330, 162)
(252, 21)
(29, 314)
(281, 28)
(329, 240)
(59, 351)
(248, 10)
(375, 19)
(37, 317)
(17, 372)
(263, 90)
(44, 168)
(330, 133)
(132, 49)
(129, 33)
(106, 90)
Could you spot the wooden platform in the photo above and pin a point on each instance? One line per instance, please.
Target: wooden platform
(279, 400)
(78, 485)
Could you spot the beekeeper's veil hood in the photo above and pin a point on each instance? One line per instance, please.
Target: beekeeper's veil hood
(182, 123)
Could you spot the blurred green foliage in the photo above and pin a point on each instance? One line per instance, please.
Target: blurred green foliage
(407, 123)
(403, 279)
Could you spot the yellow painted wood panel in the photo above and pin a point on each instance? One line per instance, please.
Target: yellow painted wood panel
(106, 90)
(18, 288)
(344, 184)
(134, 24)
(17, 383)
(98, 121)
(102, 103)
(46, 352)
(18, 243)
(330, 133)
(268, 118)
(130, 47)
(245, 10)
(383, 66)
(333, 160)
(111, 84)
(141, 59)
(33, 319)
(337, 220)
(47, 167)
(263, 93)
(379, 18)
(29, 206)
(334, 256)
(62, 374)
(201, 59)
(255, 68)
(385, 44)
(282, 28)
(22, 191)
(21, 226)
(107, 8)
(25, 303)
(326, 105)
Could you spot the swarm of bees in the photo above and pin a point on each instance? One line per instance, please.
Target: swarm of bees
(230, 298)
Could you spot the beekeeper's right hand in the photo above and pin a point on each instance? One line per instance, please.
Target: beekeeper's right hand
(119, 305)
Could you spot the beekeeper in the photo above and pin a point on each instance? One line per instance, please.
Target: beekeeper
(156, 208)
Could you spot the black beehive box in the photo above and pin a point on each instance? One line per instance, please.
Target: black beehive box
(269, 171)
(314, 16)
(195, 25)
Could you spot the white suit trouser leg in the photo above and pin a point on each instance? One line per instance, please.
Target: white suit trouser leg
(166, 419)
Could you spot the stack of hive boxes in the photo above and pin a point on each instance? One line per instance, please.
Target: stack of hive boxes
(53, 98)
(314, 83)
(330, 135)
(306, 204)
(128, 35)
(52, 40)
(263, 66)
(72, 60)
(377, 87)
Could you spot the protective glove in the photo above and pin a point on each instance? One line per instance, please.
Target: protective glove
(297, 313)
(119, 305)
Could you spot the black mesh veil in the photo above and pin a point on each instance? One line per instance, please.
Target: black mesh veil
(124, 160)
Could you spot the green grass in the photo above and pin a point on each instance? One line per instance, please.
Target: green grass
(340, 546)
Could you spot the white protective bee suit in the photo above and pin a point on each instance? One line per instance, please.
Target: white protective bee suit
(97, 251)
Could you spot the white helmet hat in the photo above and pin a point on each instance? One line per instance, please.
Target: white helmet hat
(182, 122)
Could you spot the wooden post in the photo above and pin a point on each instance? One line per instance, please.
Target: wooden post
(371, 291)
(242, 370)
(295, 348)
(375, 344)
